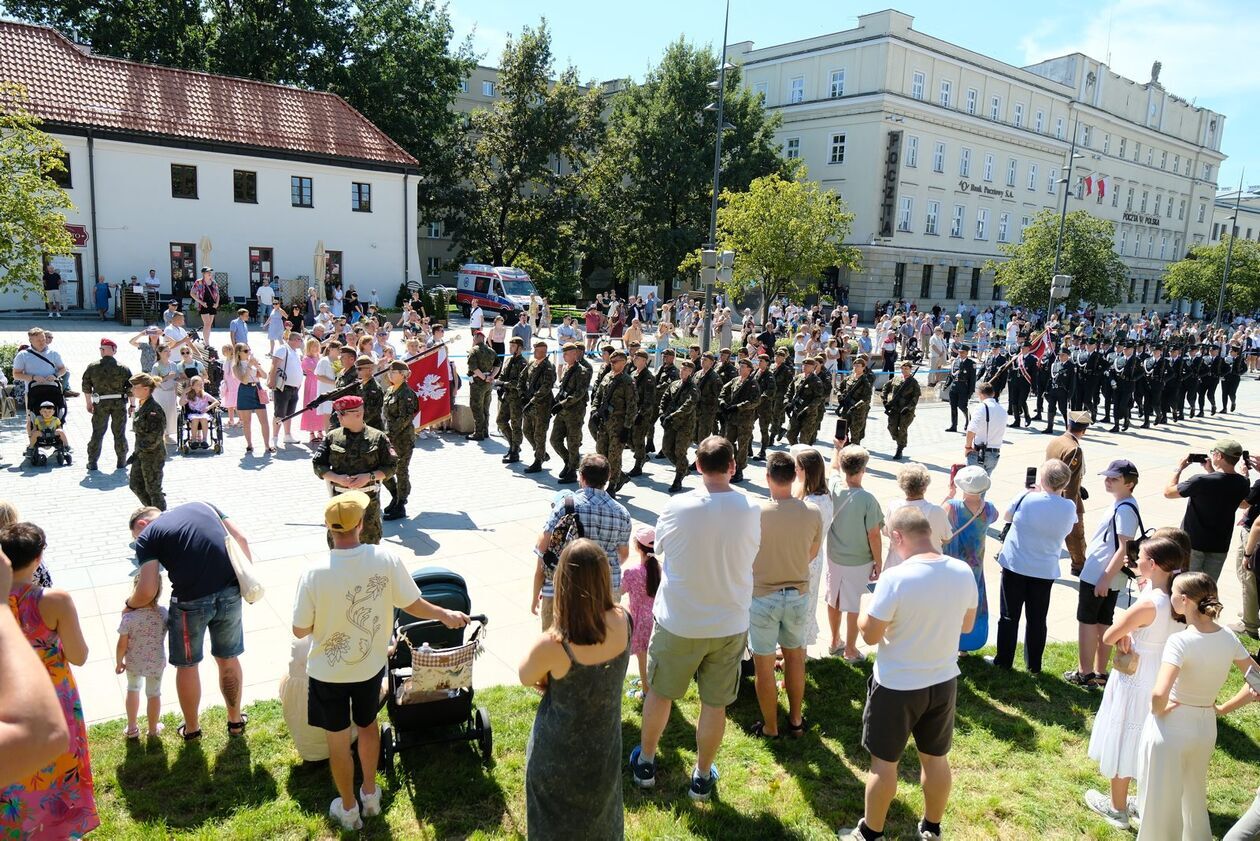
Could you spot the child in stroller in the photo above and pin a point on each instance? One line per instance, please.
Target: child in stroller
(200, 419)
(46, 414)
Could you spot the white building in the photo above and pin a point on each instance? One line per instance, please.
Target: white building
(1247, 207)
(172, 169)
(944, 154)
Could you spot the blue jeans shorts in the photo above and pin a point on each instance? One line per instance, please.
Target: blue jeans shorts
(187, 622)
(778, 618)
(989, 464)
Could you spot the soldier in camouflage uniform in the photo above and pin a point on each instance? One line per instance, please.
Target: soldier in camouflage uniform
(347, 379)
(666, 374)
(538, 378)
(597, 385)
(645, 398)
(106, 390)
(853, 400)
(738, 405)
(677, 408)
(805, 398)
(481, 364)
(813, 419)
(784, 372)
(370, 390)
(726, 370)
(764, 377)
(708, 392)
(901, 399)
(149, 426)
(569, 409)
(618, 404)
(356, 457)
(509, 387)
(399, 414)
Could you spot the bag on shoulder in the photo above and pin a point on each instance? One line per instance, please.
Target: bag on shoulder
(568, 528)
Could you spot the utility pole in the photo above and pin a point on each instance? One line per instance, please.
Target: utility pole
(706, 325)
(1067, 189)
(1229, 249)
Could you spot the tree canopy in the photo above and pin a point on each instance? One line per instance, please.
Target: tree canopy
(1198, 276)
(1098, 273)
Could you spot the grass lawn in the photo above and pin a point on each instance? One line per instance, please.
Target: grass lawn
(1019, 757)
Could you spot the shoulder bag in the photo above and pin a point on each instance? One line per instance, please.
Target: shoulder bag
(251, 587)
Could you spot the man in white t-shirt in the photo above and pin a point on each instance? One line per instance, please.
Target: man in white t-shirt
(174, 332)
(917, 614)
(985, 430)
(346, 604)
(266, 297)
(1101, 577)
(798, 349)
(476, 318)
(707, 541)
(289, 379)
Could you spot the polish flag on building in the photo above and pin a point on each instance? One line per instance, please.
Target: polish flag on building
(1102, 188)
(1089, 185)
(430, 379)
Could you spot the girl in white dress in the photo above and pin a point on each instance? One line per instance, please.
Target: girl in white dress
(1180, 732)
(811, 486)
(1142, 629)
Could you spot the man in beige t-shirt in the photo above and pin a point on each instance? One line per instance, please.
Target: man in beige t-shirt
(791, 534)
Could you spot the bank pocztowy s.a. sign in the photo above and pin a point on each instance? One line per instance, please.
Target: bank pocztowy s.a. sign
(985, 190)
(888, 197)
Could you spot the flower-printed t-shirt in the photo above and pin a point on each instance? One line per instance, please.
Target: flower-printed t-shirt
(146, 634)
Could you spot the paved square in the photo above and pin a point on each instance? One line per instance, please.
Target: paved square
(468, 513)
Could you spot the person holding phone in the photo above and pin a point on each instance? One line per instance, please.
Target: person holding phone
(1213, 497)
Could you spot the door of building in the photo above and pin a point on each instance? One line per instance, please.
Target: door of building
(183, 269)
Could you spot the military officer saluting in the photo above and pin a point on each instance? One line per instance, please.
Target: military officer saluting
(481, 364)
(901, 400)
(149, 426)
(678, 421)
(764, 377)
(509, 386)
(399, 414)
(613, 418)
(738, 405)
(106, 389)
(645, 399)
(538, 378)
(569, 408)
(356, 457)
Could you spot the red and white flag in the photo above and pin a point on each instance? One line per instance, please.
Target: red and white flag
(1089, 185)
(1102, 188)
(1043, 346)
(430, 379)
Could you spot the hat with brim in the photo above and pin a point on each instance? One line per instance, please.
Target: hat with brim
(1080, 417)
(1120, 468)
(1228, 447)
(972, 480)
(345, 511)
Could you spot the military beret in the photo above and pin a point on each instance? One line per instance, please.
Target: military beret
(606, 348)
(540, 342)
(669, 351)
(710, 355)
(399, 365)
(641, 354)
(146, 380)
(475, 333)
(763, 357)
(363, 361)
(617, 354)
(809, 360)
(516, 340)
(781, 352)
(346, 404)
(110, 343)
(744, 360)
(572, 346)
(687, 363)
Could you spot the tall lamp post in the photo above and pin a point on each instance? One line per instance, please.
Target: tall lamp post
(706, 325)
(1067, 188)
(1229, 249)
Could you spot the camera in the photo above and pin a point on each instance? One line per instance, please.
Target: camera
(1030, 477)
(1197, 458)
(1131, 550)
(842, 429)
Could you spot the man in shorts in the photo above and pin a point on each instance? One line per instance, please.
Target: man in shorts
(188, 541)
(707, 541)
(349, 652)
(919, 609)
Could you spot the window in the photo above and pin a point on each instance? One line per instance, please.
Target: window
(1158, 199)
(1122, 142)
(183, 181)
(1176, 252)
(1019, 115)
(1004, 232)
(1012, 167)
(837, 149)
(982, 223)
(1176, 164)
(933, 214)
(1159, 290)
(1150, 246)
(1106, 144)
(1115, 196)
(434, 268)
(792, 148)
(956, 224)
(1124, 237)
(912, 151)
(300, 191)
(995, 108)
(1145, 195)
(1132, 289)
(61, 176)
(244, 186)
(1137, 150)
(260, 267)
(183, 267)
(947, 93)
(1080, 188)
(360, 197)
(1202, 211)
(964, 163)
(1085, 136)
(796, 89)
(1024, 222)
(899, 280)
(435, 230)
(1181, 210)
(975, 284)
(988, 167)
(916, 85)
(938, 157)
(761, 89)
(1207, 172)
(837, 83)
(1052, 180)
(925, 285)
(1163, 252)
(1163, 161)
(1216, 231)
(1058, 127)
(487, 88)
(905, 210)
(1150, 155)
(971, 100)
(1128, 203)
(1040, 123)
(1146, 286)
(1137, 245)
(1032, 177)
(951, 280)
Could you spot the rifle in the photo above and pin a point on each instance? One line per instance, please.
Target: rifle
(894, 398)
(842, 398)
(347, 389)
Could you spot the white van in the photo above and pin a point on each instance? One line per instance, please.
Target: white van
(499, 289)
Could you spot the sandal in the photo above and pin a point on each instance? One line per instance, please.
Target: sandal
(1099, 679)
(132, 733)
(182, 730)
(1079, 678)
(797, 730)
(759, 730)
(237, 728)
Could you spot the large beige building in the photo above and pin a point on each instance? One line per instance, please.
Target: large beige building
(944, 154)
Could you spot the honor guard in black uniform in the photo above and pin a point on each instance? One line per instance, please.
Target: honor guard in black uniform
(961, 383)
(1140, 384)
(1023, 375)
(1062, 386)
(666, 374)
(1041, 386)
(997, 370)
(1214, 368)
(1155, 369)
(1235, 367)
(1092, 375)
(1080, 361)
(1192, 376)
(1175, 395)
(1108, 353)
(1123, 377)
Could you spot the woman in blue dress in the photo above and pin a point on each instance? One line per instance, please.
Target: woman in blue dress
(102, 297)
(969, 520)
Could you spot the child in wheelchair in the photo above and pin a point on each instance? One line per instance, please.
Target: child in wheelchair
(199, 410)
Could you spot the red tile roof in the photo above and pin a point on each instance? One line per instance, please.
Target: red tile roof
(70, 86)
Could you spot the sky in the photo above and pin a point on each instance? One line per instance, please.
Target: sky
(1205, 52)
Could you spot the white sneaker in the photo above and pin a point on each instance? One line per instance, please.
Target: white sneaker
(371, 803)
(1101, 803)
(1135, 814)
(346, 818)
(289, 439)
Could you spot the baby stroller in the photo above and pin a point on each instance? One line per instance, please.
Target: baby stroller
(214, 372)
(37, 394)
(913, 351)
(214, 432)
(430, 698)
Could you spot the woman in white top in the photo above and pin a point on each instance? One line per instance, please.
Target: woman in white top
(811, 486)
(937, 349)
(1180, 733)
(913, 479)
(326, 380)
(1143, 629)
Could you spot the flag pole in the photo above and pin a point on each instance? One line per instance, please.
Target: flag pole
(1229, 249)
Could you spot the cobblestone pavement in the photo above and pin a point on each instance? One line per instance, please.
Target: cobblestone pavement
(468, 513)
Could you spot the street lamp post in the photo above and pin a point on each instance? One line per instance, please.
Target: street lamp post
(706, 325)
(1229, 250)
(1067, 189)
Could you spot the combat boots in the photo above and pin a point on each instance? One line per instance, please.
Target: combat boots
(900, 450)
(761, 455)
(637, 470)
(678, 485)
(738, 477)
(396, 511)
(512, 457)
(536, 467)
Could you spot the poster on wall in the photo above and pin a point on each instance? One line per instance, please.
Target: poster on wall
(67, 266)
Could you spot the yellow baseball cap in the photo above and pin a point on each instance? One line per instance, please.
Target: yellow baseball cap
(345, 510)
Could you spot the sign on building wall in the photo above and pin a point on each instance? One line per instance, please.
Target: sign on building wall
(1141, 218)
(888, 199)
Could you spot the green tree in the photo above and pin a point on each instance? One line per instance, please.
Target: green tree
(651, 195)
(1198, 276)
(1098, 273)
(512, 201)
(175, 33)
(32, 206)
(291, 42)
(784, 232)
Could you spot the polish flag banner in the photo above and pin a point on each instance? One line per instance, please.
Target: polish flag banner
(1102, 188)
(1089, 185)
(430, 379)
(1043, 347)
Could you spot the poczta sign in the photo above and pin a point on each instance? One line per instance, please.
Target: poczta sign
(1140, 218)
(888, 199)
(968, 187)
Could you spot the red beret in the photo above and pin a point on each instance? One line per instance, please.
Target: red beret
(345, 404)
(109, 343)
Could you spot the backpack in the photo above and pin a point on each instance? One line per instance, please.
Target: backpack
(568, 528)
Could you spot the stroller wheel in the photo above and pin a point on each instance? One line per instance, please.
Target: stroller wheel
(218, 446)
(183, 449)
(67, 458)
(387, 745)
(41, 460)
(60, 459)
(485, 734)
